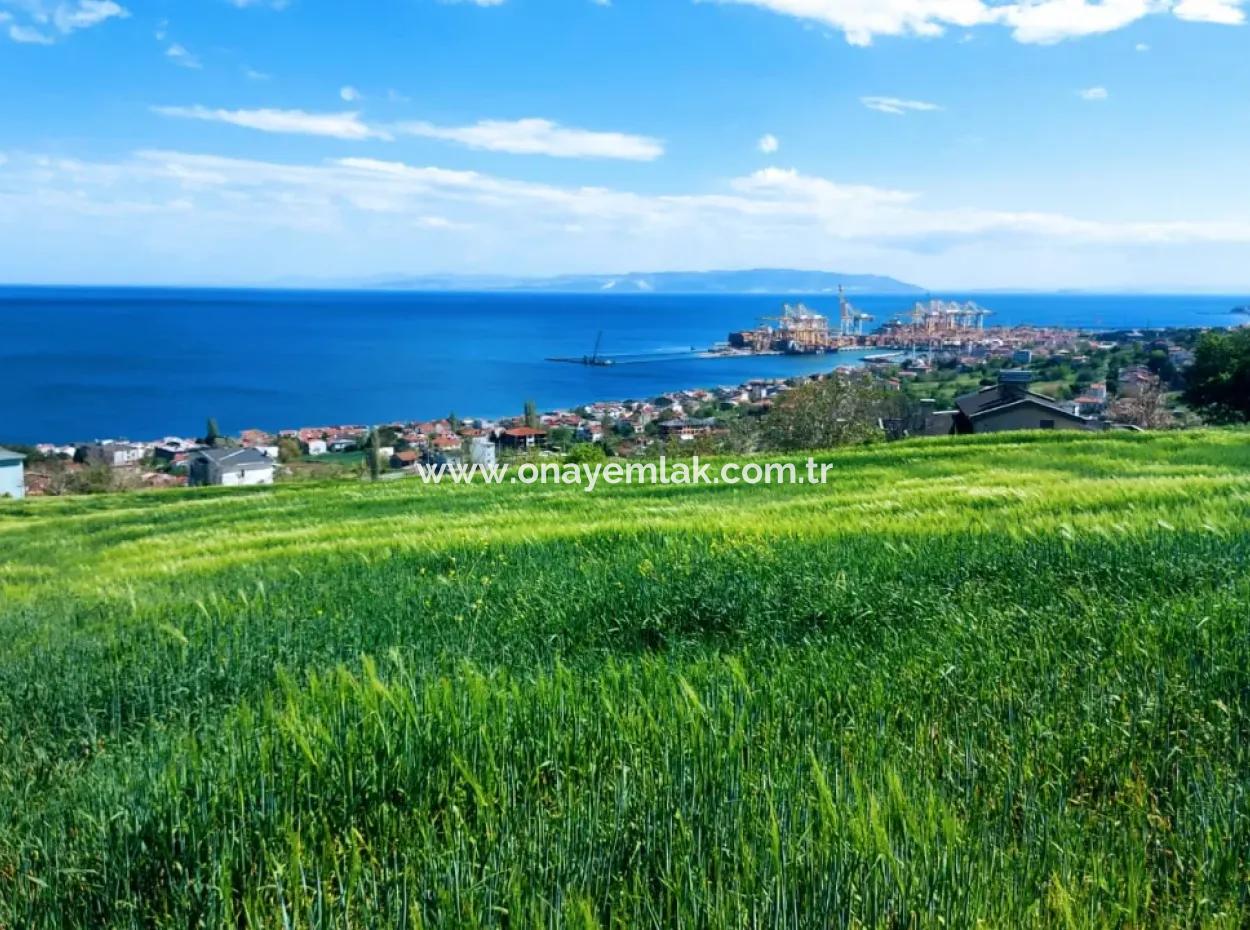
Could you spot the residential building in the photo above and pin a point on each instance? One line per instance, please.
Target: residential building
(230, 467)
(686, 429)
(1133, 381)
(174, 450)
(481, 451)
(405, 458)
(115, 454)
(1008, 405)
(446, 443)
(522, 438)
(12, 474)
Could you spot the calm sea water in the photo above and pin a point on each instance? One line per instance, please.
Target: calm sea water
(83, 363)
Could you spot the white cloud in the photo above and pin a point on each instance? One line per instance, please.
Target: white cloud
(45, 22)
(86, 14)
(768, 144)
(297, 122)
(375, 212)
(540, 137)
(180, 56)
(770, 202)
(1032, 21)
(253, 75)
(1093, 93)
(28, 35)
(1223, 12)
(1141, 47)
(440, 222)
(1052, 21)
(897, 107)
(863, 20)
(524, 137)
(349, 94)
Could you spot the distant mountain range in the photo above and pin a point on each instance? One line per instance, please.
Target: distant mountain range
(755, 281)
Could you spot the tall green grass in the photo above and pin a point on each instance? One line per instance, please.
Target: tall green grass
(1000, 683)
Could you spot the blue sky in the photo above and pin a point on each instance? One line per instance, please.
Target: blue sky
(954, 143)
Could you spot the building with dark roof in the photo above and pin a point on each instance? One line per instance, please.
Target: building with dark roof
(1005, 406)
(231, 467)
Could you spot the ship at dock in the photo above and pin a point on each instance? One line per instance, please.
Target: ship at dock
(800, 330)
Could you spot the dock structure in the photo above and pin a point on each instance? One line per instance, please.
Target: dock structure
(596, 359)
(948, 318)
(800, 330)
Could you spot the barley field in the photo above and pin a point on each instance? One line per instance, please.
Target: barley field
(997, 682)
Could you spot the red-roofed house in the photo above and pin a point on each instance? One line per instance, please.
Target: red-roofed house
(522, 437)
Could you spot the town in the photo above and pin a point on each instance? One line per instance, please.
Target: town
(956, 376)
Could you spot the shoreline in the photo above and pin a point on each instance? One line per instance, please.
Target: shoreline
(71, 388)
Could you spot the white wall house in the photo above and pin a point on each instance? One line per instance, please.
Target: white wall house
(482, 452)
(231, 467)
(12, 475)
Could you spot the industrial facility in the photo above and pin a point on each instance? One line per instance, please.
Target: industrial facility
(939, 321)
(802, 331)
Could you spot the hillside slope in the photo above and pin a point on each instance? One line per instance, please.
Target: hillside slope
(745, 281)
(998, 679)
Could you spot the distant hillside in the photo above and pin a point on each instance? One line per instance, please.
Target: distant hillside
(754, 281)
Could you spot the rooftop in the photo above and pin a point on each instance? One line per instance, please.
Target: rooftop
(235, 458)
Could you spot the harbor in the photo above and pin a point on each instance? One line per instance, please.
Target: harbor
(929, 328)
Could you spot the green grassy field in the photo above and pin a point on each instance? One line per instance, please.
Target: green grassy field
(998, 682)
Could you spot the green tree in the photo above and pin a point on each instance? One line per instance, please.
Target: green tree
(95, 479)
(289, 449)
(1218, 382)
(212, 435)
(586, 453)
(1161, 364)
(835, 411)
(373, 453)
(560, 438)
(531, 414)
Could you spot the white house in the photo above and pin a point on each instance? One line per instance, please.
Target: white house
(482, 452)
(315, 447)
(12, 475)
(230, 467)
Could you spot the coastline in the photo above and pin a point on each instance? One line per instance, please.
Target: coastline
(86, 363)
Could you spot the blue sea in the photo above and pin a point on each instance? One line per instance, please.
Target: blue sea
(84, 363)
